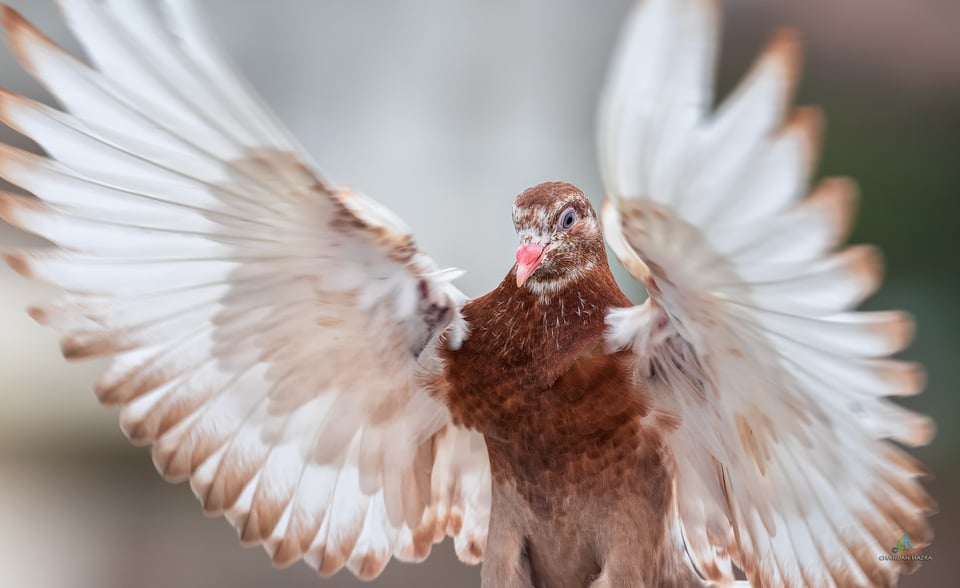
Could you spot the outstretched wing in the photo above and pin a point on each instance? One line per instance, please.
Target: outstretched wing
(268, 329)
(749, 335)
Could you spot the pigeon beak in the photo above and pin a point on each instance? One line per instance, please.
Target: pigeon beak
(528, 260)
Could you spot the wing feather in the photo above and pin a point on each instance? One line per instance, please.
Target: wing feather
(270, 332)
(785, 465)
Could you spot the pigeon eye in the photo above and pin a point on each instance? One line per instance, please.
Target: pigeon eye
(567, 219)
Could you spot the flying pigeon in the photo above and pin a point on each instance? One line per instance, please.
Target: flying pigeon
(284, 345)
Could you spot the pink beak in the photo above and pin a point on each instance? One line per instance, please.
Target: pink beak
(528, 259)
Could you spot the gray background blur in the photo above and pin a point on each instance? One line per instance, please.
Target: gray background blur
(444, 111)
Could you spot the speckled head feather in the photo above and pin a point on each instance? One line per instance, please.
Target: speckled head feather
(570, 250)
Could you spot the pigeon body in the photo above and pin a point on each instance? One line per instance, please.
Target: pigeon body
(285, 346)
(578, 470)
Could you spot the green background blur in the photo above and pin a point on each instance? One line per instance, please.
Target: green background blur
(444, 111)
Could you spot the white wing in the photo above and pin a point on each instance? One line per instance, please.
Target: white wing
(265, 325)
(749, 336)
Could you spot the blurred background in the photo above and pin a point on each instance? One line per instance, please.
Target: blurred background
(444, 111)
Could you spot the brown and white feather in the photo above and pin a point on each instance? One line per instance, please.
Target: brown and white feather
(269, 331)
(750, 336)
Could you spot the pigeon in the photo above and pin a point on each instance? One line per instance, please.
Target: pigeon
(283, 344)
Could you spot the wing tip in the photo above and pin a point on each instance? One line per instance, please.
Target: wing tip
(20, 33)
(288, 551)
(901, 329)
(8, 100)
(121, 390)
(783, 57)
(917, 375)
(19, 262)
(169, 463)
(79, 347)
(810, 122)
(71, 349)
(40, 314)
(262, 520)
(13, 207)
(924, 430)
(785, 50)
(867, 262)
(840, 198)
(11, 20)
(907, 378)
(18, 29)
(370, 566)
(906, 462)
(470, 548)
(8, 207)
(330, 562)
(136, 432)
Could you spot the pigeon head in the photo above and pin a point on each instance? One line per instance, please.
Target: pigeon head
(560, 237)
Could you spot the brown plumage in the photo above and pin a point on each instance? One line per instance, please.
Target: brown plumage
(576, 476)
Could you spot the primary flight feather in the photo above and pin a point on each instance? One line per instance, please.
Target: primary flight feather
(284, 345)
